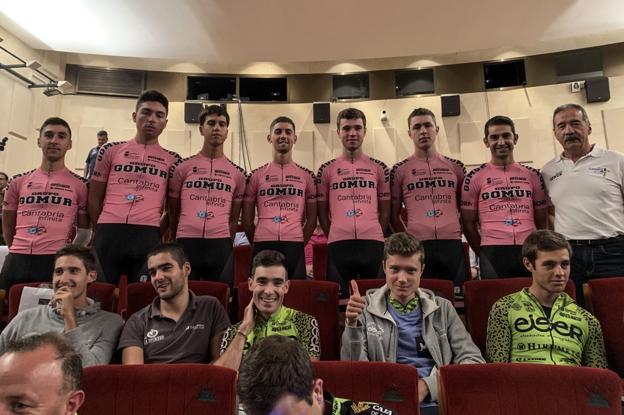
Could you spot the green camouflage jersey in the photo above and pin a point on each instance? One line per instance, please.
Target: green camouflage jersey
(340, 406)
(285, 322)
(519, 331)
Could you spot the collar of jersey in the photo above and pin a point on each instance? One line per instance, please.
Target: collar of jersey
(561, 301)
(279, 315)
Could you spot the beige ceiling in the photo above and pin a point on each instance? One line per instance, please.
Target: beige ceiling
(236, 32)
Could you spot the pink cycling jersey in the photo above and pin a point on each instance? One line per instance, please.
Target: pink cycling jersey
(429, 189)
(505, 197)
(136, 176)
(353, 188)
(47, 205)
(280, 193)
(206, 188)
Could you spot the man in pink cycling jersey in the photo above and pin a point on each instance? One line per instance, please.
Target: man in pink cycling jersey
(506, 199)
(429, 184)
(205, 196)
(284, 196)
(127, 192)
(354, 205)
(41, 208)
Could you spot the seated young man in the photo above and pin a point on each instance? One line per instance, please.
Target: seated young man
(178, 326)
(277, 377)
(402, 323)
(266, 316)
(91, 331)
(543, 324)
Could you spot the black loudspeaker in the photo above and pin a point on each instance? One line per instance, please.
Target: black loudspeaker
(321, 112)
(450, 105)
(191, 112)
(597, 89)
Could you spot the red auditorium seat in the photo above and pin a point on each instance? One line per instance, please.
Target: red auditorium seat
(317, 298)
(139, 294)
(180, 389)
(606, 297)
(102, 292)
(522, 389)
(392, 385)
(242, 263)
(441, 288)
(319, 261)
(480, 296)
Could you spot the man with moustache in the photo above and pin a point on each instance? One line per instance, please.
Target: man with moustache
(284, 196)
(93, 332)
(205, 196)
(178, 326)
(41, 209)
(502, 203)
(586, 184)
(127, 192)
(429, 184)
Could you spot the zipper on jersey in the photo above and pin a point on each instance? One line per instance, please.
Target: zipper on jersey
(435, 220)
(353, 201)
(550, 319)
(45, 190)
(513, 231)
(135, 196)
(205, 218)
(279, 223)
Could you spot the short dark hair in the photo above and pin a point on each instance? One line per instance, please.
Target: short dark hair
(83, 254)
(282, 118)
(564, 107)
(543, 240)
(499, 120)
(153, 95)
(403, 244)
(172, 248)
(268, 258)
(6, 176)
(102, 132)
(214, 110)
(72, 363)
(421, 111)
(55, 121)
(275, 366)
(350, 114)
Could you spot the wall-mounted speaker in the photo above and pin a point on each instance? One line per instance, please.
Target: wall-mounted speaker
(320, 111)
(597, 89)
(450, 105)
(191, 112)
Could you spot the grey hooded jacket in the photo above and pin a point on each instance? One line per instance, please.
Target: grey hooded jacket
(375, 337)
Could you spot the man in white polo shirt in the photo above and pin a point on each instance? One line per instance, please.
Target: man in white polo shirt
(586, 185)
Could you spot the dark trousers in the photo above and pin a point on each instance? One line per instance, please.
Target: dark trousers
(123, 248)
(211, 259)
(352, 259)
(445, 259)
(595, 259)
(22, 268)
(502, 261)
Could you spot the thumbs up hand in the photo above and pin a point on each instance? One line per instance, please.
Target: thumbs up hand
(355, 306)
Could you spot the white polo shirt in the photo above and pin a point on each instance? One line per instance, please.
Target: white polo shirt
(587, 195)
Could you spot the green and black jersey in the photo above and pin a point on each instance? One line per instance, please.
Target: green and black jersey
(340, 406)
(285, 322)
(519, 331)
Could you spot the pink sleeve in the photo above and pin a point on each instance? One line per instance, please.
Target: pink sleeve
(103, 164)
(470, 192)
(396, 178)
(251, 190)
(310, 188)
(239, 192)
(383, 183)
(175, 183)
(460, 171)
(11, 194)
(540, 200)
(82, 198)
(322, 188)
